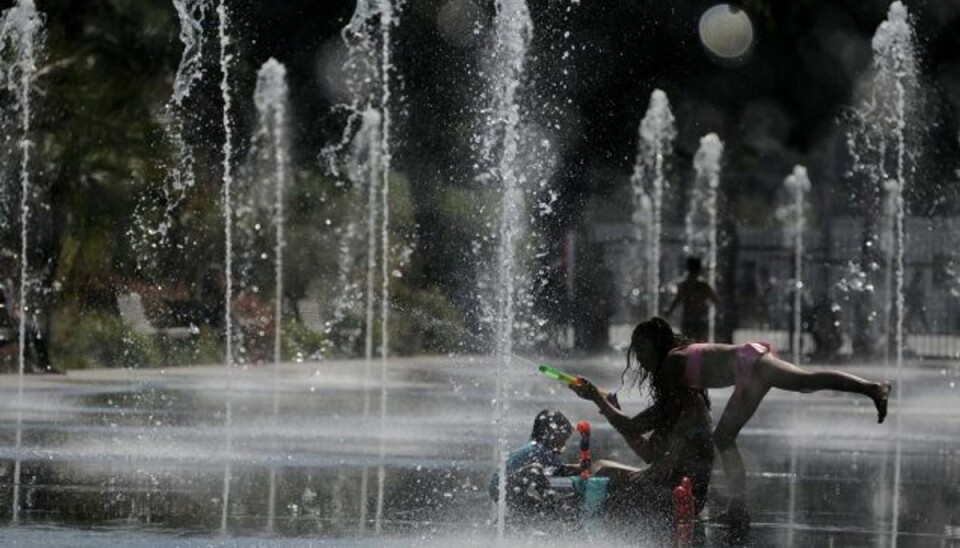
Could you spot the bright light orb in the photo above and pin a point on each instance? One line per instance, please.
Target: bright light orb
(727, 33)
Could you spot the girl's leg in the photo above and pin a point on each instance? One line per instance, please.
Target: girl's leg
(743, 403)
(784, 375)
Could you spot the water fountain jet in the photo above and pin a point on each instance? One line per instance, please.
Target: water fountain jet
(269, 150)
(21, 43)
(657, 132)
(701, 218)
(792, 213)
(367, 140)
(500, 144)
(226, 60)
(877, 143)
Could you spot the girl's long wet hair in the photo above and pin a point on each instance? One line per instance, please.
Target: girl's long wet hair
(657, 331)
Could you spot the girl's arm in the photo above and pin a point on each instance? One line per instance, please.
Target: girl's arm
(632, 429)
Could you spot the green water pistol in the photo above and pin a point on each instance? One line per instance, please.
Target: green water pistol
(558, 375)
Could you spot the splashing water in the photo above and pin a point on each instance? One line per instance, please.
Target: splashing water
(499, 153)
(701, 218)
(894, 58)
(793, 217)
(362, 170)
(386, 21)
(643, 229)
(259, 198)
(374, 124)
(21, 43)
(270, 147)
(895, 62)
(225, 61)
(151, 228)
(366, 144)
(191, 14)
(363, 154)
(792, 213)
(657, 132)
(877, 143)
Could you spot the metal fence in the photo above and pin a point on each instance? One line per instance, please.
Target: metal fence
(856, 299)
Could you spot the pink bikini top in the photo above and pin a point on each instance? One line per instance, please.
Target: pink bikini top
(747, 355)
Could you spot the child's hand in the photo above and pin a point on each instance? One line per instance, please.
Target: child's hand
(585, 389)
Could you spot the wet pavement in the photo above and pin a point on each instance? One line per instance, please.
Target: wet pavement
(302, 456)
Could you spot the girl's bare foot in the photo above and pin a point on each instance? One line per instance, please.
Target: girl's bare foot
(880, 399)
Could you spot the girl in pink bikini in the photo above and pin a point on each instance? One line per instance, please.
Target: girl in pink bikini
(667, 359)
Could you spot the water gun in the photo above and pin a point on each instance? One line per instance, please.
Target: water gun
(684, 509)
(583, 427)
(572, 380)
(558, 375)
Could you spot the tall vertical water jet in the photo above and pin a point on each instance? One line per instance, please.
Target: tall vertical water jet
(887, 245)
(21, 43)
(357, 159)
(386, 21)
(895, 62)
(226, 59)
(259, 193)
(792, 215)
(363, 170)
(366, 142)
(270, 151)
(657, 133)
(701, 218)
(512, 32)
(894, 57)
(878, 145)
(636, 269)
(270, 98)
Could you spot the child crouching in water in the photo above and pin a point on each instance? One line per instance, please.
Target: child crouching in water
(527, 468)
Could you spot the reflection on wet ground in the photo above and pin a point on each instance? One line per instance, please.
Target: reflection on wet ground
(146, 457)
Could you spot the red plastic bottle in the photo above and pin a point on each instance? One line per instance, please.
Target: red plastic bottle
(684, 509)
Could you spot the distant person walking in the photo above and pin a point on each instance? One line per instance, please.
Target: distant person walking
(696, 296)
